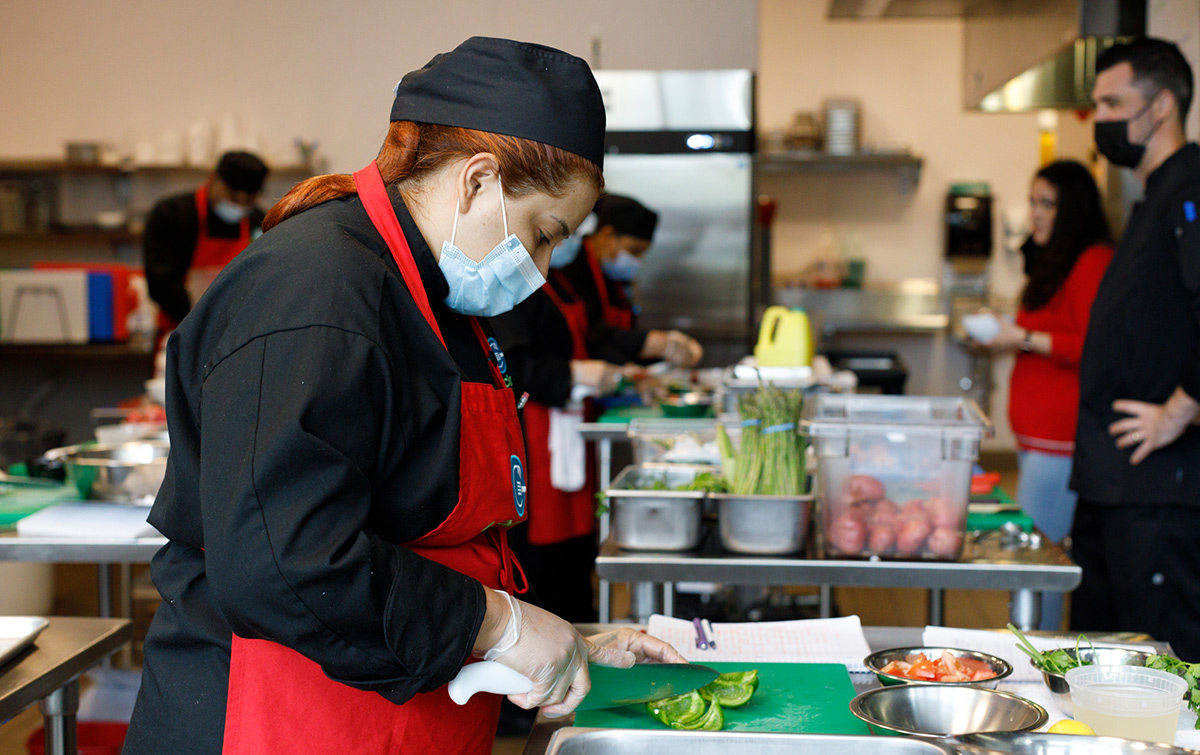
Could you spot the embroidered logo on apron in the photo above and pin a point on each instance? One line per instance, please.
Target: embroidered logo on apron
(498, 356)
(518, 484)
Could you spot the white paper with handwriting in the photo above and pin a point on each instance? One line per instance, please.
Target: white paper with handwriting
(837, 640)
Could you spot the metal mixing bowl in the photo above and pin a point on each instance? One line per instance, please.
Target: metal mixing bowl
(1021, 743)
(939, 710)
(876, 661)
(122, 472)
(1091, 655)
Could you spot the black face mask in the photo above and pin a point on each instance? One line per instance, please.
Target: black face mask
(1112, 140)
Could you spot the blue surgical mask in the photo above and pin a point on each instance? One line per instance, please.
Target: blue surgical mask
(623, 268)
(497, 283)
(230, 212)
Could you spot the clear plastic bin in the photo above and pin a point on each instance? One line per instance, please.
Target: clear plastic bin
(678, 441)
(893, 473)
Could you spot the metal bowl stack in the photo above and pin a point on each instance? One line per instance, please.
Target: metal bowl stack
(876, 661)
(1022, 743)
(1090, 656)
(120, 472)
(940, 710)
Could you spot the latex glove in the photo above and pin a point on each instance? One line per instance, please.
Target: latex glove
(682, 350)
(547, 651)
(640, 645)
(595, 374)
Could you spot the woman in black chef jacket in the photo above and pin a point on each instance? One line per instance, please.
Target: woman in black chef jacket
(346, 456)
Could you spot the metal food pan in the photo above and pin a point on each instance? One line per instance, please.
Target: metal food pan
(763, 525)
(657, 520)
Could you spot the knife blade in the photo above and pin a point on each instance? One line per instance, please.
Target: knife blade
(643, 683)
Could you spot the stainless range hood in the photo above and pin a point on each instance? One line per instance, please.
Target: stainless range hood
(1021, 55)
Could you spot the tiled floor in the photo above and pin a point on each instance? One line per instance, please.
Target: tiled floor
(875, 606)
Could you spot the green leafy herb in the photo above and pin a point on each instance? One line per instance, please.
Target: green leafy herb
(1058, 661)
(713, 483)
(1189, 672)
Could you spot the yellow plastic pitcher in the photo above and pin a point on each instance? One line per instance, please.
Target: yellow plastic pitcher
(784, 339)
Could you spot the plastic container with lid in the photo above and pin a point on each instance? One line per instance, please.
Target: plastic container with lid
(893, 473)
(1133, 702)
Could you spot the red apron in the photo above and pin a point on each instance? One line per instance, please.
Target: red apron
(615, 315)
(209, 257)
(558, 515)
(280, 701)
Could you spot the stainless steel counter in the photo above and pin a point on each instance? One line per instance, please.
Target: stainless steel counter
(986, 564)
(907, 307)
(49, 673)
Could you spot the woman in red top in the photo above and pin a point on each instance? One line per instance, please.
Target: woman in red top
(1066, 255)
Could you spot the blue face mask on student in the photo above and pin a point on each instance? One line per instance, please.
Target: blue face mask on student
(497, 283)
(623, 268)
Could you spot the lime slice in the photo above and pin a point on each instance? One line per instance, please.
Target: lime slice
(712, 720)
(679, 709)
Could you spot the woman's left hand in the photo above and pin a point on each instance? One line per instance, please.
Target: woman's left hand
(1008, 339)
(624, 647)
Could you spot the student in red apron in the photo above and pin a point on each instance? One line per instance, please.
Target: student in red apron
(190, 237)
(600, 269)
(346, 452)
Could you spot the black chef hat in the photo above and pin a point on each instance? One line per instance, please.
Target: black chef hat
(627, 216)
(511, 88)
(242, 171)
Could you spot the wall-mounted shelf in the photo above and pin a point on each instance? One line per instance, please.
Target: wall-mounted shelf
(906, 164)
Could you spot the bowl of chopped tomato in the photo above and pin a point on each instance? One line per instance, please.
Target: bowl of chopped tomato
(937, 665)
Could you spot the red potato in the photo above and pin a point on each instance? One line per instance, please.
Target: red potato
(945, 541)
(861, 487)
(914, 509)
(847, 534)
(882, 538)
(888, 506)
(944, 512)
(911, 535)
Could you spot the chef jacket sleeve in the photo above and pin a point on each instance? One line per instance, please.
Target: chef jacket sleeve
(1186, 217)
(614, 345)
(1066, 341)
(168, 244)
(537, 365)
(299, 426)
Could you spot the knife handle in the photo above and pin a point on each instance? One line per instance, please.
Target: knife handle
(487, 676)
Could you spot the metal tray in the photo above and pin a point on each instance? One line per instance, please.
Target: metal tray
(581, 741)
(763, 524)
(18, 633)
(657, 520)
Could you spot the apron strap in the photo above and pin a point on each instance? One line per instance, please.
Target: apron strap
(497, 376)
(375, 201)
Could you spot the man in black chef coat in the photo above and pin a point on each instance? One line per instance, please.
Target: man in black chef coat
(182, 256)
(1137, 450)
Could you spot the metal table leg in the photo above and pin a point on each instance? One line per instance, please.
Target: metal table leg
(58, 712)
(826, 601)
(937, 606)
(603, 478)
(668, 599)
(605, 598)
(1025, 609)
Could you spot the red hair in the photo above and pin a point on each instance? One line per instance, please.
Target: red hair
(413, 151)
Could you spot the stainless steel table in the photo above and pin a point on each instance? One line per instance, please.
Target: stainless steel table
(603, 435)
(49, 673)
(100, 551)
(985, 565)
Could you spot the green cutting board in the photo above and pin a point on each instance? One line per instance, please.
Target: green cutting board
(813, 698)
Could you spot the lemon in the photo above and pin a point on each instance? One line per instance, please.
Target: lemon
(1067, 726)
(679, 709)
(713, 720)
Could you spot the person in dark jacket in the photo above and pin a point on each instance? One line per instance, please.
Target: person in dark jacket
(1137, 450)
(346, 455)
(190, 237)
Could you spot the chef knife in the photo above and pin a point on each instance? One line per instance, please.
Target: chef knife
(611, 687)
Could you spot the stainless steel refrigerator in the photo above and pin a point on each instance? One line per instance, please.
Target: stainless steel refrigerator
(682, 143)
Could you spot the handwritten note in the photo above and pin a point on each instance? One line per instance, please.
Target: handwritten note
(837, 640)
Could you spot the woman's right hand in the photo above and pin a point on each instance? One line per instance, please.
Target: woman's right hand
(548, 651)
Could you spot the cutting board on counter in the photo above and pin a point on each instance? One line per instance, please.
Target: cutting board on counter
(813, 698)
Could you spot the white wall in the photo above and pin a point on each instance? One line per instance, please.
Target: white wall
(128, 70)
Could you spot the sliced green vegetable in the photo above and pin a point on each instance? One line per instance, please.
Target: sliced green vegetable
(712, 720)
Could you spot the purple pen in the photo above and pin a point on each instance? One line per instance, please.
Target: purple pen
(701, 640)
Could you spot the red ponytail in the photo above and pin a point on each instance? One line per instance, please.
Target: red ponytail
(413, 151)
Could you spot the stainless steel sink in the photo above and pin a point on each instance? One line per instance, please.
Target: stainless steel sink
(580, 741)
